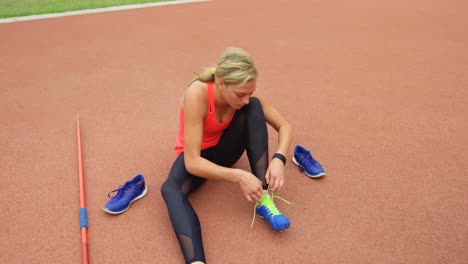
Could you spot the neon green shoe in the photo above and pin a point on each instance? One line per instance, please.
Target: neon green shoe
(267, 209)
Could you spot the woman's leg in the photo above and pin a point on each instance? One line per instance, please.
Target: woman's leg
(175, 191)
(247, 131)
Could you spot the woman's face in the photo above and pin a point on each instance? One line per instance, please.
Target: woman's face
(238, 95)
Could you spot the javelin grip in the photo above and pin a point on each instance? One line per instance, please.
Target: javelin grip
(83, 218)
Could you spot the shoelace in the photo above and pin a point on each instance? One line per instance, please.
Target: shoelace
(122, 191)
(271, 207)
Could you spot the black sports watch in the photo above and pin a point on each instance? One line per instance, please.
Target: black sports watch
(280, 156)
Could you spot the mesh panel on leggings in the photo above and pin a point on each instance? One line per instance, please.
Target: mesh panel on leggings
(186, 245)
(259, 168)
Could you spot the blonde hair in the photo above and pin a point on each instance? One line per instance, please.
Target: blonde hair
(235, 66)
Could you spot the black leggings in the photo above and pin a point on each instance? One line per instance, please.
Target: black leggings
(247, 131)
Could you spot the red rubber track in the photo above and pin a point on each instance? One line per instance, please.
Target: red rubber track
(376, 89)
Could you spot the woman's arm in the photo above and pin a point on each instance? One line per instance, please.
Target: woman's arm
(195, 109)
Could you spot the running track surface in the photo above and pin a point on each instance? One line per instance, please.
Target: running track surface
(376, 89)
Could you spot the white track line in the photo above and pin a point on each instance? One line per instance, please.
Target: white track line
(97, 10)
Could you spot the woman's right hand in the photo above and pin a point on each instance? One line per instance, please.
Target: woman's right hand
(250, 185)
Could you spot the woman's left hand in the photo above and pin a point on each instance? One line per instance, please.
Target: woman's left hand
(275, 175)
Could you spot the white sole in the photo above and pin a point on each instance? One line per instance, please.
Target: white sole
(311, 176)
(137, 198)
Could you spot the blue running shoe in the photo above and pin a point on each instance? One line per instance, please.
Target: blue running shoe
(267, 209)
(126, 194)
(307, 163)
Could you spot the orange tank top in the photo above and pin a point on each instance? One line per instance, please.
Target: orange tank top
(212, 129)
